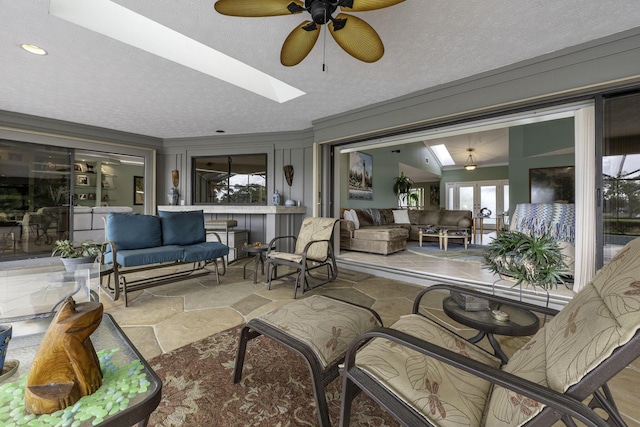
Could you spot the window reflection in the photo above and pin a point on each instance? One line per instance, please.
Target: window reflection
(35, 193)
(240, 179)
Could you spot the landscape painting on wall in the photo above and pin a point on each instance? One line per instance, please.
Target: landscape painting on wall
(552, 185)
(360, 176)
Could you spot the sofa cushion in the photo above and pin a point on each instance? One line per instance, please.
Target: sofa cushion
(204, 251)
(133, 230)
(379, 233)
(401, 216)
(386, 216)
(429, 217)
(155, 255)
(368, 217)
(451, 218)
(182, 228)
(354, 218)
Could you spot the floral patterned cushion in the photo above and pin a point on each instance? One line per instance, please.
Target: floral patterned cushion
(315, 228)
(326, 325)
(599, 319)
(444, 395)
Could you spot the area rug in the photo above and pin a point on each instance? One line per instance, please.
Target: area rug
(455, 252)
(198, 389)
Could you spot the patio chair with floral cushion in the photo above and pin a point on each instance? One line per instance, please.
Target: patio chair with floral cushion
(313, 249)
(424, 374)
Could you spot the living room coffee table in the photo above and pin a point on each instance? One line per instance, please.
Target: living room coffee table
(520, 322)
(444, 236)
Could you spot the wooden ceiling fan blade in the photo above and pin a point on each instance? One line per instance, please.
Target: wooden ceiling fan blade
(298, 44)
(358, 38)
(256, 8)
(364, 5)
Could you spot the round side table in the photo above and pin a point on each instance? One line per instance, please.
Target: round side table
(258, 260)
(521, 322)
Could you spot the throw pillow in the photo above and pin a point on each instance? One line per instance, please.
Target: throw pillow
(401, 216)
(347, 215)
(355, 219)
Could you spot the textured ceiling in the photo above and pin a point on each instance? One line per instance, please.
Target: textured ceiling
(90, 79)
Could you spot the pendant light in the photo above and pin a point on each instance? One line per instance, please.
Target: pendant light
(470, 165)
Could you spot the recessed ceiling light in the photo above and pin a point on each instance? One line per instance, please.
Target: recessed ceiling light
(32, 48)
(113, 20)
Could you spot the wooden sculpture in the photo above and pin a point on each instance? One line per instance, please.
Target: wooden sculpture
(66, 366)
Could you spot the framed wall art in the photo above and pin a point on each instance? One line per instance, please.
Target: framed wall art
(138, 190)
(82, 180)
(360, 176)
(552, 185)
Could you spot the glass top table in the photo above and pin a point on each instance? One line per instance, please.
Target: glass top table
(28, 301)
(520, 322)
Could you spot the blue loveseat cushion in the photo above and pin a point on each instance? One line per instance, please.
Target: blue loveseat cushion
(133, 231)
(204, 251)
(182, 228)
(136, 257)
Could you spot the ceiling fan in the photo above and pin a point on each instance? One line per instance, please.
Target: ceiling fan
(353, 35)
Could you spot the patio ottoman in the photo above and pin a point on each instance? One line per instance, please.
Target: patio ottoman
(319, 329)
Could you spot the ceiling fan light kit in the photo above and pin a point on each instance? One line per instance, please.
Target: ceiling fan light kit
(352, 34)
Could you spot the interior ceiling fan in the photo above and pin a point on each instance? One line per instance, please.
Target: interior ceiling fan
(354, 35)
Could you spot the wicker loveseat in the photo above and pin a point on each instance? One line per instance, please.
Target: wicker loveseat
(383, 231)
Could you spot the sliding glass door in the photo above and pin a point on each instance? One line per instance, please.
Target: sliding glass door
(620, 173)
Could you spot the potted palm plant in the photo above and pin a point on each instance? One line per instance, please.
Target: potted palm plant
(72, 255)
(535, 260)
(402, 188)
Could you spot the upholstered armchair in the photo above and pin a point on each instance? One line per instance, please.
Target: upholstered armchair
(313, 250)
(425, 374)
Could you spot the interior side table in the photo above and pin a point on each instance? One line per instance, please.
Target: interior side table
(521, 322)
(258, 260)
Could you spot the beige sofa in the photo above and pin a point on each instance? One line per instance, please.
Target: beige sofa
(382, 231)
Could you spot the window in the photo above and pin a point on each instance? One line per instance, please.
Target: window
(234, 180)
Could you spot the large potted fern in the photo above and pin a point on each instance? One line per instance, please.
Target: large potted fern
(402, 188)
(533, 260)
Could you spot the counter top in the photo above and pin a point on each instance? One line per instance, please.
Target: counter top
(235, 209)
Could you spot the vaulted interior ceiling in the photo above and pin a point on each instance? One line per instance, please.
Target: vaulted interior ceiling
(91, 79)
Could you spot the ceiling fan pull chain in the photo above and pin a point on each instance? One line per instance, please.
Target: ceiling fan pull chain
(324, 45)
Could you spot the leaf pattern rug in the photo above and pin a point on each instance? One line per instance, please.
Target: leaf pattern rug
(198, 389)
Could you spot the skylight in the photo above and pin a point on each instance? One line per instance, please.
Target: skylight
(122, 24)
(443, 155)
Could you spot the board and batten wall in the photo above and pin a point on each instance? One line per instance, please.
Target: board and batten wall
(286, 148)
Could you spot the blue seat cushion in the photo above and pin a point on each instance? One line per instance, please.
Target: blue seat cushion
(136, 257)
(182, 228)
(204, 251)
(133, 231)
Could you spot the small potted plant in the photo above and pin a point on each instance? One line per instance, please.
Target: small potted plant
(535, 260)
(72, 255)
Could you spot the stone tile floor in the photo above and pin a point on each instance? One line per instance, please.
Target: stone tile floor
(166, 317)
(163, 318)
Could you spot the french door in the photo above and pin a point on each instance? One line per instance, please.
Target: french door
(485, 196)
